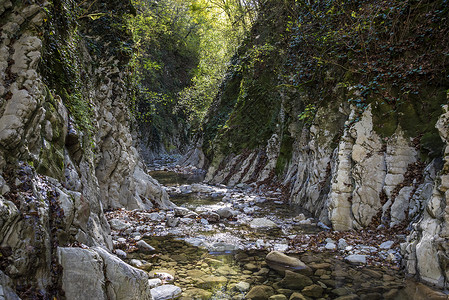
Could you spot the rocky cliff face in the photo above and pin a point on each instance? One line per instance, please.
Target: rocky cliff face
(322, 132)
(66, 150)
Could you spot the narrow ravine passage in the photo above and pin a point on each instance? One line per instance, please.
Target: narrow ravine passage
(214, 245)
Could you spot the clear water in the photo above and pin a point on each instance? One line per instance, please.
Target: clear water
(213, 275)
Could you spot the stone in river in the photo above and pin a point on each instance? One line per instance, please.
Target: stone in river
(356, 258)
(314, 291)
(242, 286)
(295, 281)
(281, 262)
(278, 297)
(143, 246)
(262, 223)
(260, 292)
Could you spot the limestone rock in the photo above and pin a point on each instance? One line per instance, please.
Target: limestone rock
(82, 276)
(295, 281)
(144, 246)
(262, 223)
(356, 258)
(260, 292)
(166, 292)
(281, 262)
(124, 281)
(6, 288)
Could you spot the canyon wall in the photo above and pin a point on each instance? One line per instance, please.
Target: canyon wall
(327, 115)
(66, 150)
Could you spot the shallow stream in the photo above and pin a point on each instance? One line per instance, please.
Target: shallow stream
(225, 259)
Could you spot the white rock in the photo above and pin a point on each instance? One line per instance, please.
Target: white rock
(262, 223)
(280, 247)
(242, 286)
(136, 263)
(386, 245)
(143, 246)
(152, 283)
(166, 292)
(356, 258)
(330, 246)
(119, 225)
(342, 244)
(120, 253)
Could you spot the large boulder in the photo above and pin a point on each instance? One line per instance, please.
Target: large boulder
(281, 262)
(82, 276)
(6, 290)
(123, 281)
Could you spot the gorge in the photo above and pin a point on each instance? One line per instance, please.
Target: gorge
(324, 136)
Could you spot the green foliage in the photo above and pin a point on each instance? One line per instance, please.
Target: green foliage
(182, 52)
(308, 114)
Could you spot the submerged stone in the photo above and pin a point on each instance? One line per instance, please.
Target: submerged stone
(282, 262)
(260, 292)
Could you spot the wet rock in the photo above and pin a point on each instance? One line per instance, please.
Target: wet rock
(278, 297)
(262, 223)
(196, 293)
(356, 258)
(297, 296)
(348, 297)
(144, 246)
(260, 292)
(295, 281)
(251, 267)
(371, 296)
(281, 262)
(165, 292)
(314, 291)
(242, 286)
(210, 282)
